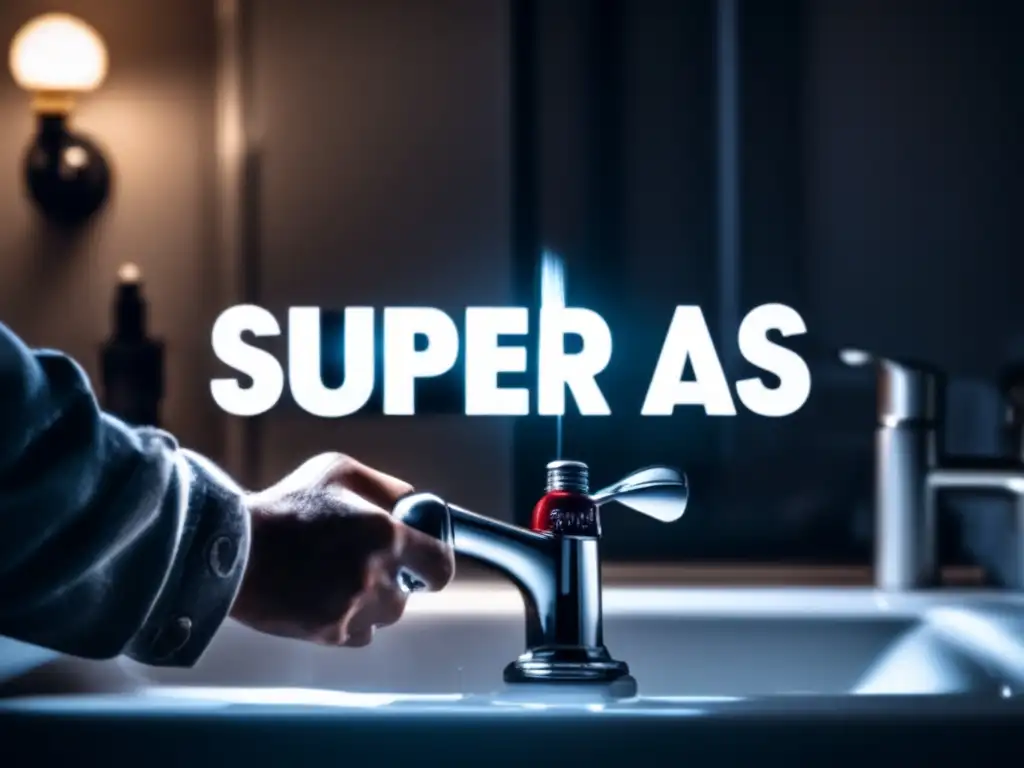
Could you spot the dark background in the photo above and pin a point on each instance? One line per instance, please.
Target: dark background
(859, 160)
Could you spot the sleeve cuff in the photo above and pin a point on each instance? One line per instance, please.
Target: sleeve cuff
(207, 574)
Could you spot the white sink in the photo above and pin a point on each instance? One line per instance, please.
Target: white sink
(679, 642)
(727, 677)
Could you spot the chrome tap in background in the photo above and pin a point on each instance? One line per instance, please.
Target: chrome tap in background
(912, 468)
(559, 576)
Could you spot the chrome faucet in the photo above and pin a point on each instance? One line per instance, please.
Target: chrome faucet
(557, 571)
(912, 469)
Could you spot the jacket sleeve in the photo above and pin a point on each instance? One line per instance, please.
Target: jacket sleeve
(112, 539)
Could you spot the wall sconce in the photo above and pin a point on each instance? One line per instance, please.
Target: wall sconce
(56, 57)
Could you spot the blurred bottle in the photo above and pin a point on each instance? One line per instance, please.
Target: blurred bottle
(131, 363)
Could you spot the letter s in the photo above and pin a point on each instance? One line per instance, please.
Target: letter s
(266, 373)
(790, 396)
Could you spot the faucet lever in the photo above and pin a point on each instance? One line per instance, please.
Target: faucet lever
(660, 492)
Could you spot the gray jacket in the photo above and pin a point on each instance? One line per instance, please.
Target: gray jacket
(112, 539)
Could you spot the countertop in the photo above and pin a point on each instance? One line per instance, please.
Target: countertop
(803, 731)
(733, 574)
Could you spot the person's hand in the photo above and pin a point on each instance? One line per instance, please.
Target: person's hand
(325, 555)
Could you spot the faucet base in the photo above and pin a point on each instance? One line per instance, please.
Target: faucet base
(567, 664)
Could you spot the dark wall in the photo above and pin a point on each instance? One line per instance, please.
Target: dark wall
(423, 153)
(913, 173)
(154, 116)
(625, 192)
(878, 190)
(382, 179)
(913, 113)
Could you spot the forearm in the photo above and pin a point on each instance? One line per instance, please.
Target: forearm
(205, 570)
(112, 540)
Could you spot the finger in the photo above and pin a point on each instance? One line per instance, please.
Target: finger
(351, 500)
(431, 560)
(338, 631)
(376, 487)
(359, 638)
(388, 606)
(360, 630)
(379, 538)
(384, 610)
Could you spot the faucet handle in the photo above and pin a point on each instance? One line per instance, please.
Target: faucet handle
(660, 492)
(428, 514)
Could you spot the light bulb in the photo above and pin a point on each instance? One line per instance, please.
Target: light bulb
(129, 274)
(56, 57)
(58, 54)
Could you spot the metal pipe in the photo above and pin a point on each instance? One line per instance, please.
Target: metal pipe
(729, 200)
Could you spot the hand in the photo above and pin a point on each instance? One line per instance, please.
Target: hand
(325, 555)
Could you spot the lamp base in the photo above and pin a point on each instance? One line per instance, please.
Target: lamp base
(66, 174)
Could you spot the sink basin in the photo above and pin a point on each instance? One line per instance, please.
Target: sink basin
(726, 676)
(679, 642)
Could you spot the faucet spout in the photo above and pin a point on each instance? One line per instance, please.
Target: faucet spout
(524, 557)
(557, 568)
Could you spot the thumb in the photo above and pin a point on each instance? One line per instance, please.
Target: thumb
(376, 487)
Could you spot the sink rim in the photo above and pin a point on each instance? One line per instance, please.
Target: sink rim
(162, 700)
(489, 599)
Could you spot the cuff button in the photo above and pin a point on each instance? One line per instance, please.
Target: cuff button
(223, 556)
(172, 638)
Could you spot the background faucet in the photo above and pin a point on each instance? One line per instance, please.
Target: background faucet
(558, 571)
(912, 469)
